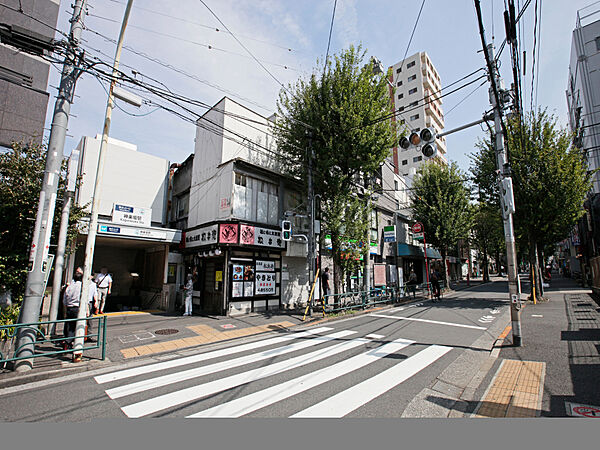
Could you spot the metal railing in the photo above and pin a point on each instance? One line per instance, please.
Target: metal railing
(334, 303)
(43, 341)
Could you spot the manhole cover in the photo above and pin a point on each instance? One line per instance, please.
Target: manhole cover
(166, 331)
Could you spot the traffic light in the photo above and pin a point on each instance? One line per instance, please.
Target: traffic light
(286, 230)
(424, 139)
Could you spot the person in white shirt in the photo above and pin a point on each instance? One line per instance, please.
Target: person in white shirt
(104, 282)
(71, 301)
(91, 306)
(188, 289)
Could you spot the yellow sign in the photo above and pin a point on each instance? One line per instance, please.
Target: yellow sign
(219, 275)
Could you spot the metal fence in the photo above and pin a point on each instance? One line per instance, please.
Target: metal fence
(44, 344)
(334, 303)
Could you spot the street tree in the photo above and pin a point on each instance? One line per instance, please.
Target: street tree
(21, 175)
(487, 233)
(440, 200)
(550, 181)
(339, 115)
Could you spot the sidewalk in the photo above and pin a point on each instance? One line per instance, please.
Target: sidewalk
(555, 372)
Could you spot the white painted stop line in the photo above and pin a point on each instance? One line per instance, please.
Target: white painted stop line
(436, 322)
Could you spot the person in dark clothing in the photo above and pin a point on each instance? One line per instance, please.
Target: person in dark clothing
(325, 282)
(435, 284)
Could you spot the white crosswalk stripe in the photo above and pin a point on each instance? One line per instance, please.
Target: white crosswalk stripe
(165, 380)
(207, 388)
(266, 397)
(353, 398)
(113, 376)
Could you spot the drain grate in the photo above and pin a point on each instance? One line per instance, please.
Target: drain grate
(166, 331)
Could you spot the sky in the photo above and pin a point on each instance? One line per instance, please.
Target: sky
(289, 38)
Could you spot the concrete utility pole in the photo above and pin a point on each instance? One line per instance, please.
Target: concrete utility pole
(38, 254)
(505, 183)
(93, 226)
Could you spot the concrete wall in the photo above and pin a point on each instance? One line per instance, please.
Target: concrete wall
(23, 110)
(296, 289)
(130, 177)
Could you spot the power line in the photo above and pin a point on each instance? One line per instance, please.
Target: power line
(466, 97)
(537, 75)
(200, 44)
(20, 11)
(534, 48)
(329, 40)
(244, 47)
(212, 28)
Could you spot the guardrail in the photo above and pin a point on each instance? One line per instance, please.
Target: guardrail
(9, 334)
(362, 299)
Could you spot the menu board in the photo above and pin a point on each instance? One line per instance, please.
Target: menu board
(238, 272)
(237, 289)
(248, 288)
(265, 283)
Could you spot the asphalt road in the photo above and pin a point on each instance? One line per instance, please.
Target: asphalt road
(401, 362)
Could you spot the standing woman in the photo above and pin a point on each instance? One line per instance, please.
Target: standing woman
(188, 291)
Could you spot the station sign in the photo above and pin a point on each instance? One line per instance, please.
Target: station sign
(132, 232)
(131, 215)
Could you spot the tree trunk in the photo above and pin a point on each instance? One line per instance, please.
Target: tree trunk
(486, 268)
(541, 267)
(535, 273)
(446, 272)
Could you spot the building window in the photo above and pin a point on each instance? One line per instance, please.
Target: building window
(417, 159)
(404, 163)
(401, 108)
(395, 185)
(397, 204)
(400, 96)
(399, 69)
(412, 78)
(412, 91)
(413, 104)
(240, 179)
(410, 64)
(399, 83)
(415, 117)
(598, 43)
(402, 122)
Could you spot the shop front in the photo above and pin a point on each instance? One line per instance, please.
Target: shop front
(413, 258)
(236, 268)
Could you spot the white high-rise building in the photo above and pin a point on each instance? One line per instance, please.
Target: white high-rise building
(417, 98)
(583, 90)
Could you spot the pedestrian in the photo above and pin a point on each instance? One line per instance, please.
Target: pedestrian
(103, 282)
(188, 292)
(435, 284)
(91, 308)
(325, 282)
(412, 282)
(71, 301)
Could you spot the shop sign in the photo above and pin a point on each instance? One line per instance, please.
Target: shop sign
(379, 276)
(261, 237)
(132, 232)
(265, 266)
(201, 236)
(418, 236)
(389, 233)
(228, 233)
(237, 289)
(265, 283)
(131, 215)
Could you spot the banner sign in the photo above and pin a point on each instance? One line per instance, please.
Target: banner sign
(389, 233)
(131, 215)
(265, 283)
(265, 266)
(201, 236)
(132, 232)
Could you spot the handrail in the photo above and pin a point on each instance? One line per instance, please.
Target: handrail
(13, 330)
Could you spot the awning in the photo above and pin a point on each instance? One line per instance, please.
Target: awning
(156, 234)
(414, 251)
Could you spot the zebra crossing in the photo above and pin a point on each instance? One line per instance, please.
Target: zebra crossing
(240, 380)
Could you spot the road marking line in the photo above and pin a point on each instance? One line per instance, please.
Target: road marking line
(428, 321)
(192, 393)
(353, 398)
(144, 385)
(374, 336)
(537, 315)
(113, 376)
(274, 394)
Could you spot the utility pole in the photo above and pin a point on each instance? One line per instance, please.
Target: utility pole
(62, 238)
(40, 245)
(311, 226)
(505, 183)
(93, 226)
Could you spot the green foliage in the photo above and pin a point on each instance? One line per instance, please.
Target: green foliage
(488, 232)
(8, 316)
(335, 113)
(21, 175)
(440, 200)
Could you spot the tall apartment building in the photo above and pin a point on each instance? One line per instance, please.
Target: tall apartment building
(583, 89)
(24, 38)
(417, 98)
